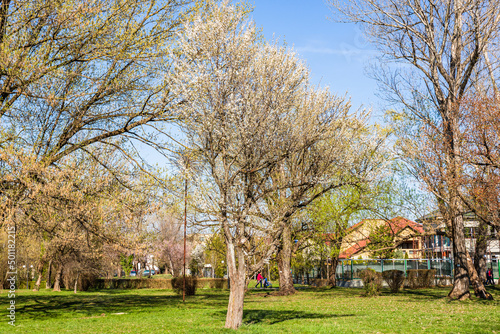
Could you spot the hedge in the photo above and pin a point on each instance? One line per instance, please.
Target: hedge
(155, 283)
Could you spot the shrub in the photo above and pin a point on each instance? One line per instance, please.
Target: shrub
(372, 282)
(421, 278)
(178, 285)
(156, 283)
(394, 279)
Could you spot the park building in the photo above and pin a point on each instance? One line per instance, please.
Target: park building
(437, 244)
(365, 239)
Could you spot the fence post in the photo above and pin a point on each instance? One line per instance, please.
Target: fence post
(342, 263)
(351, 270)
(382, 265)
(428, 264)
(406, 275)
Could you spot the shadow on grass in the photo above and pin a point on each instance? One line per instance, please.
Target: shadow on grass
(336, 291)
(442, 293)
(50, 306)
(322, 292)
(272, 317)
(437, 293)
(493, 288)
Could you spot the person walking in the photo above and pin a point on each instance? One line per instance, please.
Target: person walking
(489, 277)
(259, 279)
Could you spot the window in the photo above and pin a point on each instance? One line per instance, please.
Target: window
(407, 245)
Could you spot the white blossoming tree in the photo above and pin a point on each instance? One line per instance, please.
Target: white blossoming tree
(247, 111)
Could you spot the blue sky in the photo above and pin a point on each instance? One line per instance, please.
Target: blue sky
(336, 53)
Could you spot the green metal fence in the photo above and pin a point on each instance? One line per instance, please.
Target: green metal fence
(349, 269)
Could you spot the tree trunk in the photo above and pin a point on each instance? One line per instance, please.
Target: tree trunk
(332, 278)
(119, 275)
(38, 282)
(5, 286)
(480, 250)
(234, 317)
(57, 282)
(285, 274)
(285, 263)
(48, 284)
(460, 288)
(479, 289)
(39, 271)
(172, 268)
(76, 282)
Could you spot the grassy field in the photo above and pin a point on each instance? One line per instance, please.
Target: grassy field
(338, 310)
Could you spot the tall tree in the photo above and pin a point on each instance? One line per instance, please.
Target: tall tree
(342, 159)
(444, 43)
(480, 126)
(246, 107)
(76, 75)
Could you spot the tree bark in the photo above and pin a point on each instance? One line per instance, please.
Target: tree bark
(48, 284)
(76, 282)
(460, 288)
(332, 278)
(39, 271)
(285, 274)
(38, 282)
(480, 250)
(234, 317)
(57, 282)
(477, 284)
(172, 272)
(285, 263)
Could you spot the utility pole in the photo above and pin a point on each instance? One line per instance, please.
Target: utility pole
(185, 227)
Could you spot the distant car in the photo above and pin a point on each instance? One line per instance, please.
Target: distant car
(133, 273)
(146, 272)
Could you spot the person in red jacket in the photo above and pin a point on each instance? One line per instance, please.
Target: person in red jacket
(259, 280)
(489, 277)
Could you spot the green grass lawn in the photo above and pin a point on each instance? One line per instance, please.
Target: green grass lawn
(339, 310)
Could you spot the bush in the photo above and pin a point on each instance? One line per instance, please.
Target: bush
(178, 285)
(394, 279)
(212, 283)
(421, 278)
(372, 282)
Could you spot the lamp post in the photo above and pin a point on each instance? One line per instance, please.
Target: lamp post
(27, 276)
